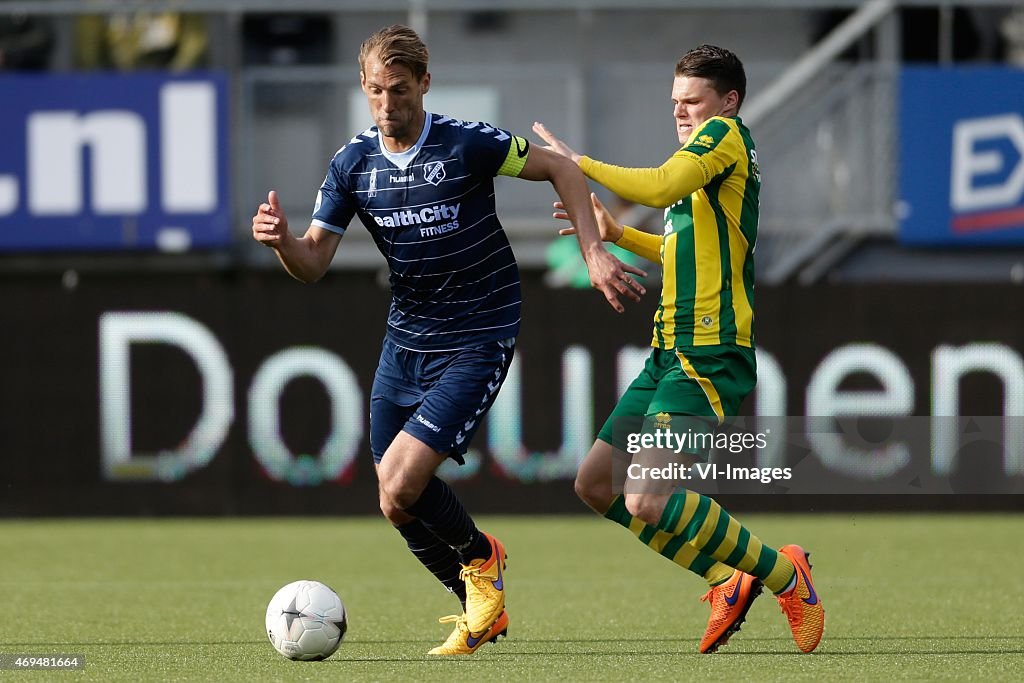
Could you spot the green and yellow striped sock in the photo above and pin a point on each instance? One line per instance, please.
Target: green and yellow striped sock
(666, 545)
(701, 523)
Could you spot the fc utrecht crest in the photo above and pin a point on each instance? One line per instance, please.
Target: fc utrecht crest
(433, 172)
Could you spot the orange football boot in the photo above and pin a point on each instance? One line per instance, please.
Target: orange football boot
(730, 602)
(801, 604)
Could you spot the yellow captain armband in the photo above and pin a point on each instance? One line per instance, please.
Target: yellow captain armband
(518, 151)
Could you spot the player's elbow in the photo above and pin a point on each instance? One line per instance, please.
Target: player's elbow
(314, 275)
(306, 273)
(308, 278)
(558, 168)
(300, 276)
(314, 256)
(564, 162)
(661, 199)
(669, 184)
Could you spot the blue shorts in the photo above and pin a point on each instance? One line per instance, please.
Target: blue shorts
(439, 397)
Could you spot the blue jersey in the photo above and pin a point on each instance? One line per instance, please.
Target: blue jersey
(430, 210)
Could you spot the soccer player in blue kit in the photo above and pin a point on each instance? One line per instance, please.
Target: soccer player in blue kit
(423, 185)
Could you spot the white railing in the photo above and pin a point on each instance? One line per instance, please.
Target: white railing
(826, 128)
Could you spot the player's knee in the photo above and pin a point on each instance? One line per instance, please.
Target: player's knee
(596, 494)
(392, 512)
(644, 507)
(401, 491)
(387, 506)
(583, 491)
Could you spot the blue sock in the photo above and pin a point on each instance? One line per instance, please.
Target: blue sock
(436, 555)
(443, 514)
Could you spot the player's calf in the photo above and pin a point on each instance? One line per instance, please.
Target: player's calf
(648, 507)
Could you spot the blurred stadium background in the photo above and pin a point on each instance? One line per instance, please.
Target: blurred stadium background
(159, 361)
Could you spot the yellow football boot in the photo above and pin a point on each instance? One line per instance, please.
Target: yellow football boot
(485, 588)
(462, 642)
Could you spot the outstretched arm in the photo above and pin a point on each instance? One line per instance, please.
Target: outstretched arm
(607, 273)
(660, 187)
(640, 243)
(637, 241)
(305, 258)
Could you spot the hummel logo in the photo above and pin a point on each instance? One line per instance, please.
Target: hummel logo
(469, 425)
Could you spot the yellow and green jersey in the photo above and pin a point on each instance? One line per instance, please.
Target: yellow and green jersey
(709, 190)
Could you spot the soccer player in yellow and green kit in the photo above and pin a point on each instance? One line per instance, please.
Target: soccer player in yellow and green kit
(702, 364)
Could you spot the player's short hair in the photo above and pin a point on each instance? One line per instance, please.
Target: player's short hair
(720, 66)
(396, 44)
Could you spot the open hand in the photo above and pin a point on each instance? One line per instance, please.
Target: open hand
(554, 144)
(610, 229)
(612, 277)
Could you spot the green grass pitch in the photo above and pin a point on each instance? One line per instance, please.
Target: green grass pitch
(907, 597)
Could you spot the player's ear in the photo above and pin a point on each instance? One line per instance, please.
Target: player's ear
(425, 84)
(731, 103)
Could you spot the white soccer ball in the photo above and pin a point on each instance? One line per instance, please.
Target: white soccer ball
(306, 620)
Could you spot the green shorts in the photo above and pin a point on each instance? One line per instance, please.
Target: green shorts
(706, 382)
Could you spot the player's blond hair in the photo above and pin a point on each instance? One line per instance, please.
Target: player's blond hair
(396, 44)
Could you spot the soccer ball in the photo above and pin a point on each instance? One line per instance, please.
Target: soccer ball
(306, 620)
